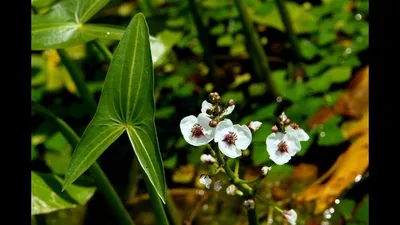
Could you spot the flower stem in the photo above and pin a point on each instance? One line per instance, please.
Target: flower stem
(268, 203)
(258, 55)
(237, 162)
(101, 180)
(252, 216)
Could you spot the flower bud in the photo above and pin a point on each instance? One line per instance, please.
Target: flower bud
(287, 121)
(290, 216)
(254, 125)
(231, 189)
(208, 159)
(231, 102)
(274, 129)
(214, 97)
(265, 170)
(249, 204)
(217, 186)
(212, 123)
(206, 180)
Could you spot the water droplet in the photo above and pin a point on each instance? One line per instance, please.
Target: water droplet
(348, 51)
(337, 201)
(358, 178)
(331, 210)
(279, 99)
(108, 33)
(328, 216)
(358, 16)
(322, 134)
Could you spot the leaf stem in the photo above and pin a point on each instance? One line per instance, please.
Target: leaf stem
(204, 38)
(289, 30)
(95, 170)
(158, 208)
(259, 57)
(79, 80)
(268, 203)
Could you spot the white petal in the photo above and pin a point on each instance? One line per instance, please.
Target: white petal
(291, 216)
(204, 106)
(186, 126)
(229, 150)
(229, 110)
(198, 141)
(243, 136)
(300, 133)
(272, 142)
(204, 122)
(284, 117)
(255, 125)
(206, 180)
(293, 144)
(222, 129)
(280, 158)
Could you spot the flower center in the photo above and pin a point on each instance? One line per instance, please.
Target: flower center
(295, 126)
(230, 138)
(283, 147)
(197, 131)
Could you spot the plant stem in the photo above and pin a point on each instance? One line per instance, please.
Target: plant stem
(170, 206)
(204, 38)
(252, 216)
(103, 49)
(254, 43)
(268, 203)
(158, 208)
(101, 180)
(289, 30)
(237, 163)
(79, 80)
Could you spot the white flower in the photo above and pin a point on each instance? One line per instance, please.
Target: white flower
(255, 125)
(281, 147)
(232, 138)
(207, 159)
(197, 131)
(206, 180)
(296, 131)
(291, 216)
(265, 170)
(231, 189)
(206, 105)
(283, 116)
(217, 186)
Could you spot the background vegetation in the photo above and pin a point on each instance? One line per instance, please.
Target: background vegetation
(317, 72)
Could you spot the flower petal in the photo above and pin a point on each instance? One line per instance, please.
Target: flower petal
(229, 150)
(300, 133)
(186, 126)
(293, 144)
(222, 129)
(255, 125)
(291, 216)
(243, 136)
(272, 142)
(280, 158)
(229, 110)
(284, 117)
(204, 106)
(204, 122)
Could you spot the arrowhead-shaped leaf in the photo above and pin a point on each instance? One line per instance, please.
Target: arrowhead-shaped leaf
(126, 103)
(65, 26)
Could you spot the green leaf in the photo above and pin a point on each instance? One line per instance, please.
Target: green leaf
(42, 3)
(331, 134)
(218, 29)
(57, 142)
(303, 21)
(279, 173)
(225, 40)
(63, 25)
(333, 75)
(305, 145)
(126, 104)
(308, 49)
(47, 196)
(171, 162)
(265, 113)
(362, 213)
(346, 207)
(58, 161)
(314, 69)
(33, 152)
(165, 112)
(259, 154)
